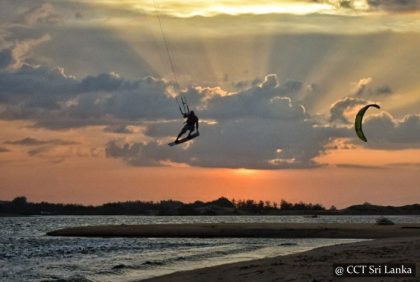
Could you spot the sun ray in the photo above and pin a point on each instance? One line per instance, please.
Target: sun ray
(194, 8)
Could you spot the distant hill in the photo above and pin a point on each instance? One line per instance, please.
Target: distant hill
(221, 206)
(367, 208)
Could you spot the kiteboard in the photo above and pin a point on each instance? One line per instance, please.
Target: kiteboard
(185, 139)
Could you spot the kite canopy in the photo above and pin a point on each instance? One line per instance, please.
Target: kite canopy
(359, 119)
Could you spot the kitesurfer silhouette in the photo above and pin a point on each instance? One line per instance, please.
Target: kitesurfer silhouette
(191, 124)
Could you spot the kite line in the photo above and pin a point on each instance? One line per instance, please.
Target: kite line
(166, 43)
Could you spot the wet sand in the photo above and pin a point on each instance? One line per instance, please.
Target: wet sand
(312, 266)
(243, 230)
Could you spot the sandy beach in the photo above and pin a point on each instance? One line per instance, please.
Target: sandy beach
(398, 243)
(243, 230)
(314, 265)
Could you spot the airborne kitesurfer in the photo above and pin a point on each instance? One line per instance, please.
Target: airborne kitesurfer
(191, 124)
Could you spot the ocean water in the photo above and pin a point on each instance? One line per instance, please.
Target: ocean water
(27, 254)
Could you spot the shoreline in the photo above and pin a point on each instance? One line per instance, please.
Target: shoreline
(244, 230)
(399, 243)
(313, 265)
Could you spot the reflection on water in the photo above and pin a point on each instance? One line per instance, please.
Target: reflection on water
(26, 254)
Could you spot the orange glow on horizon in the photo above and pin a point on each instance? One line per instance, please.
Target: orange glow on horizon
(369, 157)
(246, 172)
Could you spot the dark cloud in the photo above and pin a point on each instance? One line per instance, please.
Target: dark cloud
(364, 89)
(6, 58)
(263, 126)
(291, 87)
(339, 108)
(23, 31)
(395, 5)
(244, 84)
(15, 54)
(345, 4)
(384, 90)
(356, 166)
(29, 141)
(39, 147)
(256, 128)
(55, 100)
(123, 129)
(310, 95)
(235, 143)
(240, 85)
(266, 100)
(374, 5)
(32, 85)
(383, 131)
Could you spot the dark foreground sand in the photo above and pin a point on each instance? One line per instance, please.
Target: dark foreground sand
(314, 265)
(261, 230)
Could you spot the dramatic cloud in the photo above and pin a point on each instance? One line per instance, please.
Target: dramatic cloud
(14, 56)
(263, 126)
(374, 5)
(256, 128)
(267, 100)
(16, 44)
(34, 92)
(364, 89)
(395, 5)
(53, 150)
(383, 131)
(56, 100)
(259, 127)
(361, 86)
(235, 143)
(386, 132)
(338, 109)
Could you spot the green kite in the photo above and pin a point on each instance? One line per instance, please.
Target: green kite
(359, 119)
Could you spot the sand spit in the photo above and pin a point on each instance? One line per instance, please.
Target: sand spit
(261, 230)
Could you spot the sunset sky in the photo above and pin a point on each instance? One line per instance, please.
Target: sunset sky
(87, 101)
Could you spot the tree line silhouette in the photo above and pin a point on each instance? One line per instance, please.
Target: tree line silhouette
(20, 205)
(221, 206)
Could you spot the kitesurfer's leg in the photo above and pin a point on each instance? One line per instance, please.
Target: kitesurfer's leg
(191, 129)
(184, 129)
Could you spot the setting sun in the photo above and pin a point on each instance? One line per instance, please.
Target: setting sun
(246, 172)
